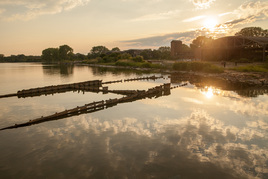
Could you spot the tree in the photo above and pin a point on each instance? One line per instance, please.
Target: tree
(200, 41)
(252, 32)
(164, 49)
(97, 51)
(2, 57)
(147, 54)
(65, 52)
(164, 52)
(80, 56)
(50, 54)
(115, 49)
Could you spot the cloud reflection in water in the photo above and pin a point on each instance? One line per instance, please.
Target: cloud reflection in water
(190, 147)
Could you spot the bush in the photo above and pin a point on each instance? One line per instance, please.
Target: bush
(137, 59)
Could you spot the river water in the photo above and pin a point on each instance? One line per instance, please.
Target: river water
(198, 131)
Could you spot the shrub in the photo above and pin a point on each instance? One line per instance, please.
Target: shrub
(137, 64)
(137, 59)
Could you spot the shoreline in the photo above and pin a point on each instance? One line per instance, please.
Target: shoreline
(250, 79)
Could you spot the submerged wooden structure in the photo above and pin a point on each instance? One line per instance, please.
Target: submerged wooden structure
(129, 96)
(92, 86)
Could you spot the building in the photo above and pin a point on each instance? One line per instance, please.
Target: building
(176, 46)
(236, 47)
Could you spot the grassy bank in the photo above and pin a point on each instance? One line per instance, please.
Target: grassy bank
(252, 68)
(128, 63)
(197, 67)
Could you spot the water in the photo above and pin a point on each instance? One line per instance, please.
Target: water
(195, 132)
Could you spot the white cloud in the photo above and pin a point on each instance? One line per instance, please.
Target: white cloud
(31, 9)
(202, 4)
(158, 16)
(253, 9)
(192, 100)
(194, 18)
(249, 12)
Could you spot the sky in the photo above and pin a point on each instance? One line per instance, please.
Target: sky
(30, 26)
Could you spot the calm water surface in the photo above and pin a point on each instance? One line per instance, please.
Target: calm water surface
(195, 132)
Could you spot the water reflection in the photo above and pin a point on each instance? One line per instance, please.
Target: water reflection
(245, 90)
(63, 70)
(102, 71)
(197, 146)
(182, 135)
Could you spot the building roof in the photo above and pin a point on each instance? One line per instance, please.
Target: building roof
(263, 41)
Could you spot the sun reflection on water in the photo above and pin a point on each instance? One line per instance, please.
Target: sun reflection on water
(209, 92)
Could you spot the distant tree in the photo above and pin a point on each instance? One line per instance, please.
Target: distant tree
(21, 57)
(147, 54)
(164, 49)
(252, 32)
(97, 51)
(185, 48)
(50, 54)
(164, 52)
(80, 56)
(156, 54)
(2, 57)
(200, 41)
(115, 49)
(65, 52)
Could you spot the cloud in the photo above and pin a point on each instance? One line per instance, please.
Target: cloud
(202, 4)
(161, 40)
(29, 9)
(194, 18)
(159, 16)
(196, 140)
(192, 100)
(164, 40)
(249, 12)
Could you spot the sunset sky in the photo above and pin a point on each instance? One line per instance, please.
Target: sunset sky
(30, 26)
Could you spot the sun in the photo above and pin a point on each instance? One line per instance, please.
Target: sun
(210, 23)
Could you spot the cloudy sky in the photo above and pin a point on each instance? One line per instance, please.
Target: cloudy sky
(30, 26)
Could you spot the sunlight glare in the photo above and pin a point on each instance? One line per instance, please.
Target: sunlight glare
(210, 23)
(208, 92)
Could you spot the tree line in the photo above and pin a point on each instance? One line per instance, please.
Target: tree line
(103, 54)
(20, 58)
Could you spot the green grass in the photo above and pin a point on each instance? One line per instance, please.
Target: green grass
(197, 67)
(137, 64)
(252, 68)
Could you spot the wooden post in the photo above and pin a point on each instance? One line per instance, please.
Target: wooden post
(105, 89)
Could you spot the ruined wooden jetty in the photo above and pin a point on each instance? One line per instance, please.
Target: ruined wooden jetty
(144, 78)
(60, 88)
(86, 86)
(100, 105)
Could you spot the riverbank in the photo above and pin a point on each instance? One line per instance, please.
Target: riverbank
(250, 79)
